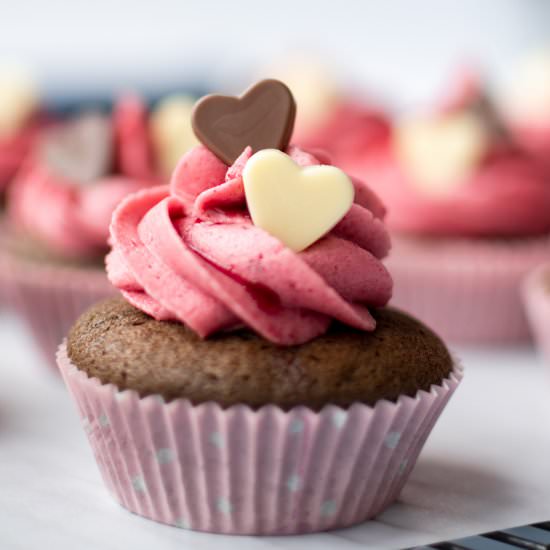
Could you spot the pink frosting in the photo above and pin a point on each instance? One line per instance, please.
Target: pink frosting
(189, 252)
(73, 219)
(14, 149)
(508, 195)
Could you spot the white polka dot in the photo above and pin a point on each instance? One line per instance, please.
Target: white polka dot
(392, 440)
(328, 508)
(159, 399)
(104, 420)
(224, 506)
(86, 425)
(164, 456)
(121, 395)
(216, 438)
(138, 483)
(339, 418)
(296, 427)
(182, 523)
(293, 483)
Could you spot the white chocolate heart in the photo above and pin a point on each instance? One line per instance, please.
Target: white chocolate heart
(440, 153)
(294, 204)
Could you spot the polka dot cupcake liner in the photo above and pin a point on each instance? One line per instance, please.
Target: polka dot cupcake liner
(468, 291)
(49, 298)
(536, 294)
(241, 471)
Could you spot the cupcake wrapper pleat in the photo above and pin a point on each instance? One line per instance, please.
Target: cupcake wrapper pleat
(537, 304)
(240, 471)
(467, 291)
(50, 298)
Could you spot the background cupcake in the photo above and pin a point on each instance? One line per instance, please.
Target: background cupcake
(469, 211)
(294, 423)
(59, 210)
(20, 120)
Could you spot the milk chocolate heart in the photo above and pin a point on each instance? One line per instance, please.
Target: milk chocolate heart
(262, 118)
(296, 205)
(80, 150)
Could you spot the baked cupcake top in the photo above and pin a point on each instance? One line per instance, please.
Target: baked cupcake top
(456, 171)
(119, 344)
(79, 171)
(249, 235)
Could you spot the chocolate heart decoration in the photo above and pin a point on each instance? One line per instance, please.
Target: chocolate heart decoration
(262, 118)
(81, 150)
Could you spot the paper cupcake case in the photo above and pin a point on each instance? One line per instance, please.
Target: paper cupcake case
(49, 298)
(468, 291)
(536, 293)
(239, 471)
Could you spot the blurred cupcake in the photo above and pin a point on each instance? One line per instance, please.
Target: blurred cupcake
(20, 120)
(536, 293)
(59, 209)
(252, 382)
(526, 104)
(470, 214)
(345, 125)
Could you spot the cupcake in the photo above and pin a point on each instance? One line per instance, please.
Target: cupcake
(250, 380)
(469, 211)
(536, 293)
(59, 208)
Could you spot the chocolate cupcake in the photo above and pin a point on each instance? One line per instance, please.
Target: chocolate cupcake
(252, 381)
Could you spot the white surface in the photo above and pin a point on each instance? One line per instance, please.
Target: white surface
(485, 466)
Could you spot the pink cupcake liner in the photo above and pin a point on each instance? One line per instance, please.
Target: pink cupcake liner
(240, 471)
(536, 294)
(468, 291)
(49, 298)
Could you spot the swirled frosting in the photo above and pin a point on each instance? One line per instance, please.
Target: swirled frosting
(189, 252)
(70, 218)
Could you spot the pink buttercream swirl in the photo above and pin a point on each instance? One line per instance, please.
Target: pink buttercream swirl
(189, 252)
(73, 219)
